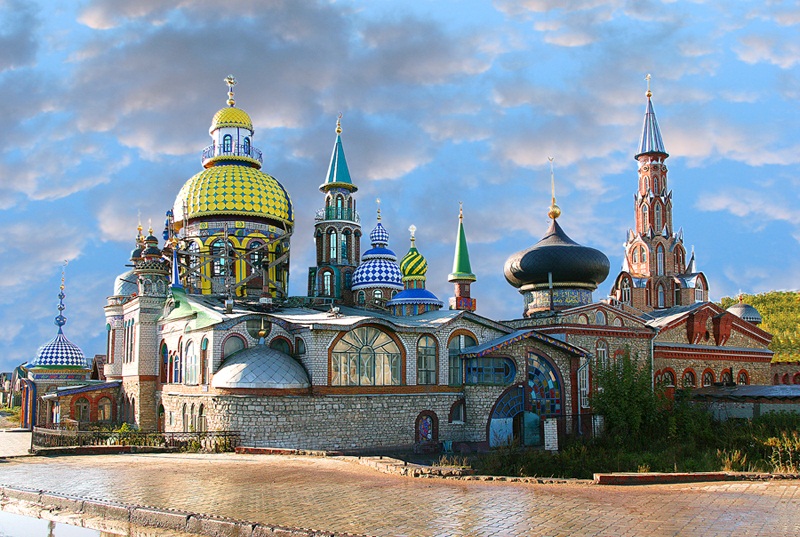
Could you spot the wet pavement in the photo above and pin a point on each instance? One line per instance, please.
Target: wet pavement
(341, 495)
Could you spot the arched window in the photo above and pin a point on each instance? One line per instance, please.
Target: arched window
(599, 317)
(655, 186)
(361, 299)
(300, 345)
(601, 353)
(333, 243)
(348, 280)
(219, 258)
(201, 419)
(660, 295)
(104, 409)
(232, 344)
(339, 207)
(742, 378)
(203, 360)
(660, 260)
(545, 387)
(635, 256)
(645, 221)
(726, 377)
(377, 295)
(186, 418)
(426, 360)
(658, 221)
(178, 377)
(82, 410)
(795, 379)
(708, 378)
(256, 256)
(642, 254)
(688, 380)
(454, 346)
(345, 254)
(785, 378)
(698, 291)
(247, 146)
(427, 428)
(227, 144)
(617, 321)
(280, 344)
(458, 412)
(191, 363)
(366, 356)
(164, 363)
(668, 379)
(327, 283)
(583, 319)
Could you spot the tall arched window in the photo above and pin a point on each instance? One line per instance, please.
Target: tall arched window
(626, 291)
(601, 353)
(689, 380)
(193, 266)
(104, 410)
(599, 317)
(655, 186)
(164, 363)
(333, 243)
(454, 346)
(642, 254)
(660, 295)
(645, 221)
(82, 410)
(247, 146)
(219, 258)
(545, 387)
(227, 143)
(426, 360)
(698, 291)
(191, 363)
(660, 260)
(339, 207)
(658, 220)
(366, 356)
(256, 256)
(377, 295)
(361, 298)
(327, 283)
(345, 252)
(203, 361)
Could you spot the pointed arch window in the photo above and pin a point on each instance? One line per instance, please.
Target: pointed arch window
(247, 146)
(626, 291)
(642, 254)
(660, 294)
(660, 260)
(227, 143)
(655, 186)
(645, 221)
(191, 364)
(333, 244)
(659, 225)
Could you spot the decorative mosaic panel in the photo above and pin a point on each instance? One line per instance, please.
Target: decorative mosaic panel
(545, 390)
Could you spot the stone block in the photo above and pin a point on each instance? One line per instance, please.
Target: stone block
(107, 510)
(218, 527)
(159, 518)
(61, 502)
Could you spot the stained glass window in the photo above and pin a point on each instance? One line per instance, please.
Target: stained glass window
(491, 371)
(544, 386)
(366, 356)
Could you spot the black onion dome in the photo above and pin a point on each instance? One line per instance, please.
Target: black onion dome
(569, 262)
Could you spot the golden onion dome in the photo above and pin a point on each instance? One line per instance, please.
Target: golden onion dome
(233, 190)
(231, 117)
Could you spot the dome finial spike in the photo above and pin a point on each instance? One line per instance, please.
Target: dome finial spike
(555, 210)
(339, 124)
(378, 201)
(460, 211)
(231, 82)
(649, 93)
(412, 229)
(60, 319)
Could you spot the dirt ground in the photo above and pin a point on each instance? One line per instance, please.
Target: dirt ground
(8, 419)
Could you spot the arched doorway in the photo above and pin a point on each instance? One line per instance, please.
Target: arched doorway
(161, 419)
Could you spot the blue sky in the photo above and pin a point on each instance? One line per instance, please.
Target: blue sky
(106, 108)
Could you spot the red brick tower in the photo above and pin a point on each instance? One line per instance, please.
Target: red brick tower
(655, 272)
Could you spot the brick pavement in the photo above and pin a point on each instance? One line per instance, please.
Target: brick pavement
(339, 495)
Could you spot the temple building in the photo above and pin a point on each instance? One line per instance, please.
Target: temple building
(204, 334)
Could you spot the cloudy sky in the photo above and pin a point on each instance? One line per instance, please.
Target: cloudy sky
(107, 104)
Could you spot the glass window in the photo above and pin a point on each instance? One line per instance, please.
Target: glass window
(164, 363)
(490, 370)
(193, 266)
(232, 344)
(698, 291)
(227, 143)
(601, 353)
(458, 412)
(660, 260)
(658, 218)
(104, 409)
(82, 410)
(455, 373)
(362, 298)
(645, 222)
(708, 378)
(426, 360)
(599, 317)
(219, 258)
(742, 378)
(660, 292)
(377, 295)
(642, 254)
(280, 344)
(545, 389)
(256, 255)
(247, 146)
(327, 283)
(300, 345)
(191, 363)
(366, 356)
(332, 242)
(348, 280)
(689, 380)
(726, 377)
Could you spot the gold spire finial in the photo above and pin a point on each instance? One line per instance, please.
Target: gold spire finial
(378, 201)
(460, 211)
(231, 82)
(339, 124)
(555, 210)
(63, 271)
(649, 93)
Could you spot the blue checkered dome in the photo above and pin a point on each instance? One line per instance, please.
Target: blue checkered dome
(60, 352)
(378, 266)
(379, 236)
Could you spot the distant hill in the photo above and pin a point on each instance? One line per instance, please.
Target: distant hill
(780, 311)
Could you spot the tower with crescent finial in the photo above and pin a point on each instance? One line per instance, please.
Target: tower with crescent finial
(337, 232)
(656, 273)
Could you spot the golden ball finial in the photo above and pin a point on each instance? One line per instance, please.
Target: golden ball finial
(554, 212)
(649, 93)
(339, 124)
(231, 82)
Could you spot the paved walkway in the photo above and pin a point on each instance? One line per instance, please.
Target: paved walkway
(340, 495)
(14, 443)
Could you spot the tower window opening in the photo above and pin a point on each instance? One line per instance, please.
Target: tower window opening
(247, 146)
(227, 143)
(645, 221)
(658, 218)
(655, 186)
(660, 260)
(339, 208)
(660, 292)
(333, 243)
(626, 291)
(698, 291)
(327, 284)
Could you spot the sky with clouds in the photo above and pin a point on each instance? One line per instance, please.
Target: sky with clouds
(107, 104)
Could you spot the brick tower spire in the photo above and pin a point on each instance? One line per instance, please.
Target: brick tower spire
(462, 275)
(655, 273)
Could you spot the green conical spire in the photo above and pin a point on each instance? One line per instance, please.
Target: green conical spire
(462, 271)
(338, 173)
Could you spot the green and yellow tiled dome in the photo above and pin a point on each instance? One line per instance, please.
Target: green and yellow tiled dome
(231, 117)
(233, 190)
(413, 265)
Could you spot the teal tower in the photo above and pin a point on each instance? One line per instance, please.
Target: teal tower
(337, 232)
(462, 275)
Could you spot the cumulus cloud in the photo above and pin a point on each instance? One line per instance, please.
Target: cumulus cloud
(785, 53)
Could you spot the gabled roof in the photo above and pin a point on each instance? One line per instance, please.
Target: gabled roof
(504, 341)
(675, 316)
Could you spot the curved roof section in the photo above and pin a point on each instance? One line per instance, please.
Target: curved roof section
(746, 312)
(59, 352)
(413, 264)
(231, 117)
(557, 254)
(125, 284)
(260, 367)
(233, 189)
(377, 272)
(414, 296)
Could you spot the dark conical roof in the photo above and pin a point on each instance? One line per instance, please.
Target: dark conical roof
(569, 262)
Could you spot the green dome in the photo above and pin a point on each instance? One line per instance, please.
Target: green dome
(413, 265)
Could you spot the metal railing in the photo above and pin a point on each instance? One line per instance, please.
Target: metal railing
(208, 441)
(238, 150)
(337, 213)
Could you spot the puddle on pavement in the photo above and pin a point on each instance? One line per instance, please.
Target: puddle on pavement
(22, 524)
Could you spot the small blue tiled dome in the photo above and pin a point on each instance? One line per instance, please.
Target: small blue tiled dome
(379, 235)
(377, 273)
(59, 352)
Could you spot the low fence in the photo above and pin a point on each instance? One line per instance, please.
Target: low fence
(209, 441)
